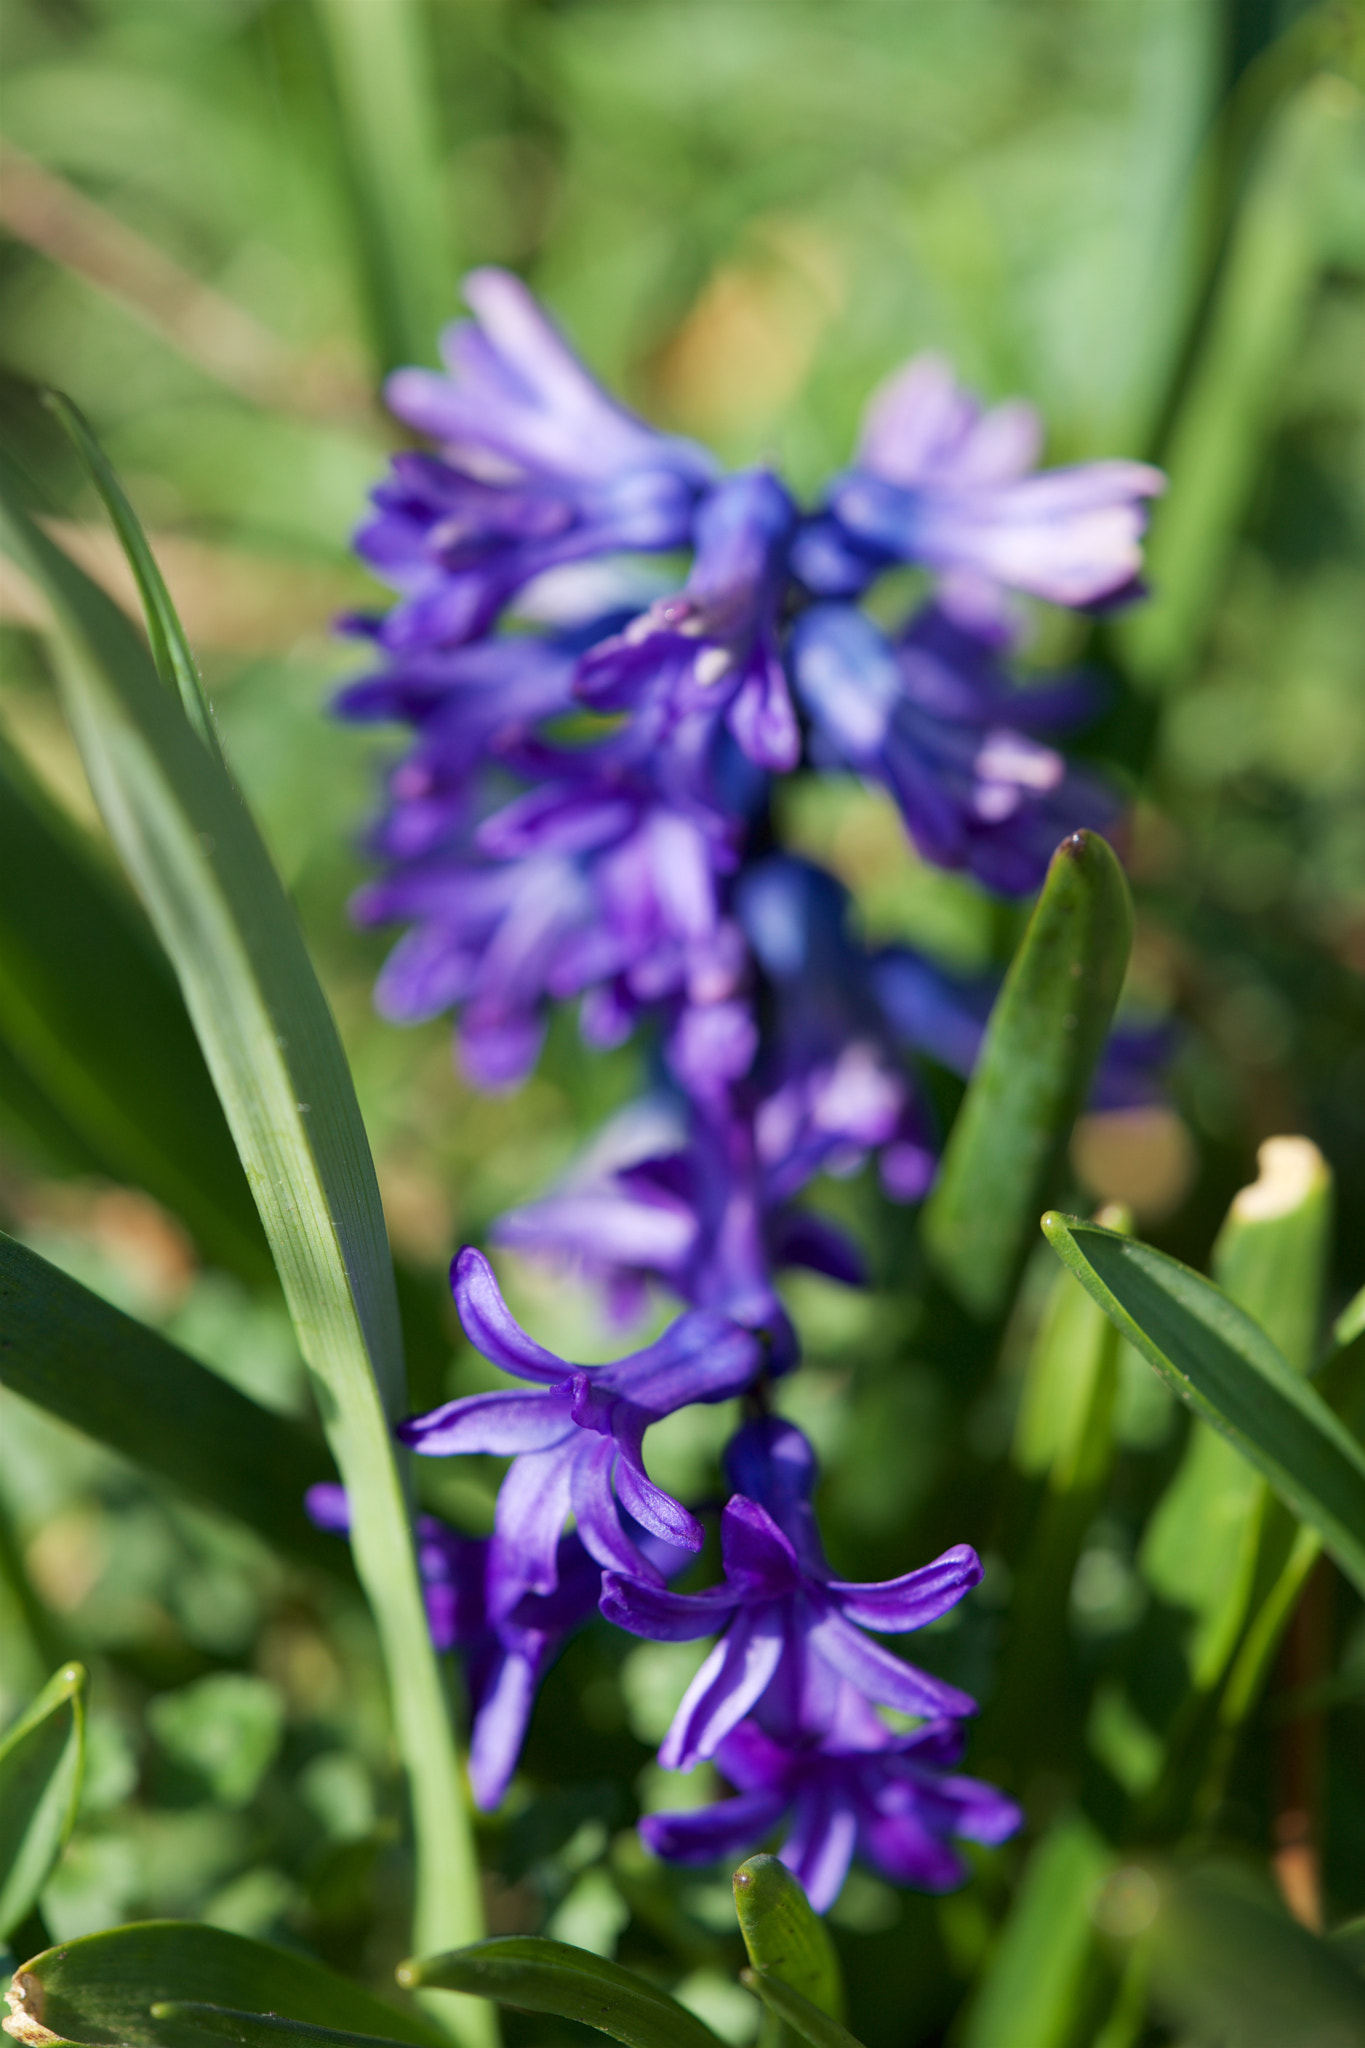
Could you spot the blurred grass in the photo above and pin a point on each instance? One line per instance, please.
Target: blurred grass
(744, 213)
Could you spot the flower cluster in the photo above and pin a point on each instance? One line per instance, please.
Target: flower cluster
(607, 652)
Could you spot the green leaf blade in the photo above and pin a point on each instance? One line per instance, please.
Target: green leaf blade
(272, 1048)
(42, 1763)
(1226, 1368)
(104, 1986)
(1042, 1044)
(808, 2022)
(111, 1377)
(534, 1974)
(259, 2029)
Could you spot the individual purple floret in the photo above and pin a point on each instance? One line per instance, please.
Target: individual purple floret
(933, 718)
(538, 467)
(895, 1799)
(939, 482)
(713, 647)
(576, 1441)
(503, 1661)
(679, 1194)
(791, 1634)
(832, 1086)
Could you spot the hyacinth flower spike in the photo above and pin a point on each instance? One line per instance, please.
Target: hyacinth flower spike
(576, 1441)
(894, 1799)
(791, 1633)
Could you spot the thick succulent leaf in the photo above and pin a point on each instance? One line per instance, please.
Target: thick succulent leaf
(104, 1986)
(534, 1974)
(111, 1377)
(42, 1761)
(1223, 1364)
(802, 2019)
(259, 2029)
(1042, 1043)
(271, 1046)
(785, 1937)
(92, 1019)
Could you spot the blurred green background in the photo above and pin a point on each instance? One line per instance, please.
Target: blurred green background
(223, 219)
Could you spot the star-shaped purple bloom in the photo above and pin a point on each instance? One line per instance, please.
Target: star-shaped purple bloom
(895, 1799)
(538, 467)
(576, 1442)
(934, 720)
(713, 647)
(937, 481)
(791, 1634)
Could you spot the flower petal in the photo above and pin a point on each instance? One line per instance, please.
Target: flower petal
(502, 1425)
(883, 1676)
(725, 1829)
(534, 1502)
(733, 1678)
(819, 1848)
(662, 1616)
(759, 1560)
(492, 1328)
(913, 1600)
(500, 1726)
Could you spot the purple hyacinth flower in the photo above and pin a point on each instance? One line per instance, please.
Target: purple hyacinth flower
(503, 1660)
(684, 1196)
(939, 482)
(538, 468)
(894, 1799)
(832, 1087)
(791, 1634)
(949, 739)
(713, 647)
(576, 1442)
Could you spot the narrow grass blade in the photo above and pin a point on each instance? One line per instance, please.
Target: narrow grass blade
(1230, 1373)
(104, 1987)
(272, 1048)
(111, 1377)
(259, 2029)
(806, 2021)
(785, 1938)
(1036, 1984)
(388, 118)
(42, 1762)
(1232, 399)
(1044, 1038)
(533, 1974)
(171, 651)
(92, 1017)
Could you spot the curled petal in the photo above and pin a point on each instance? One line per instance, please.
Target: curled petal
(502, 1425)
(594, 1506)
(915, 1599)
(490, 1325)
(661, 1615)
